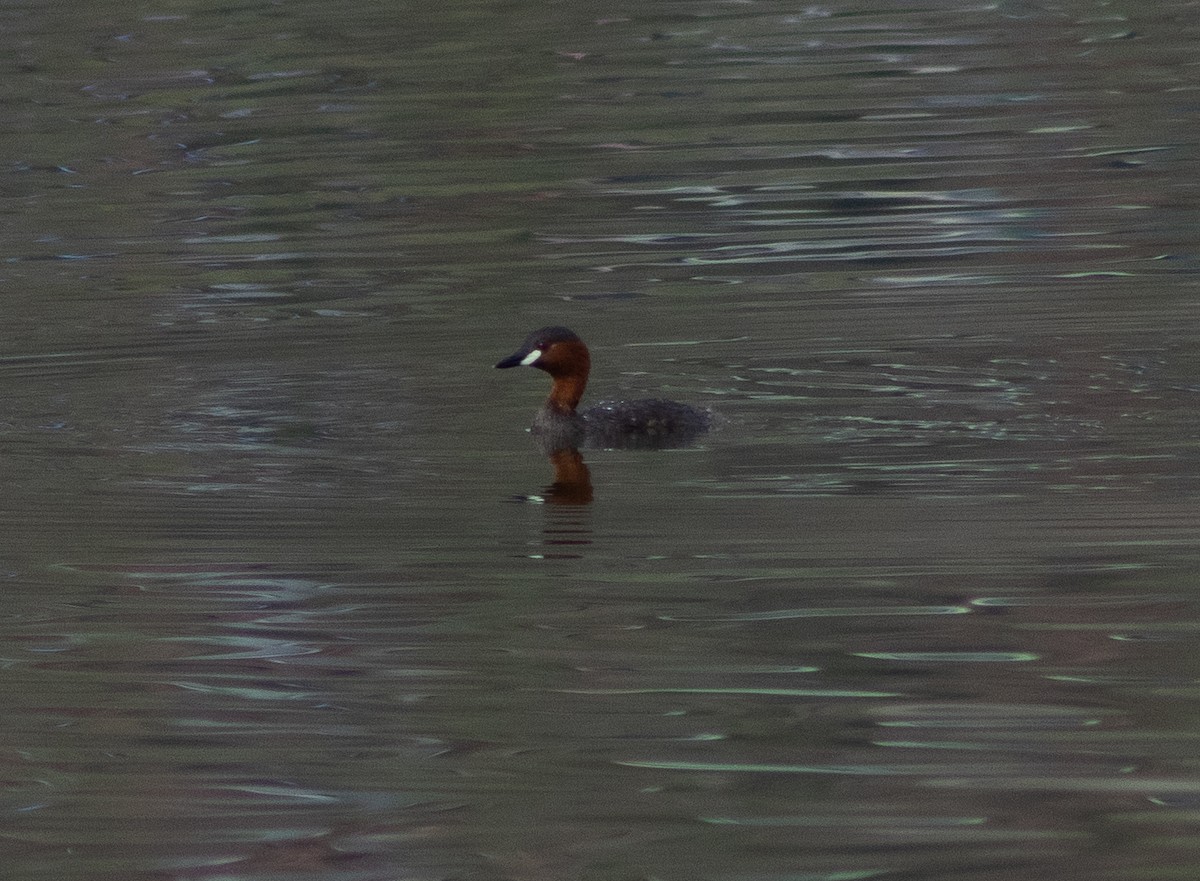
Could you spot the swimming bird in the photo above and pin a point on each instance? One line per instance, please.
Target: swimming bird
(649, 423)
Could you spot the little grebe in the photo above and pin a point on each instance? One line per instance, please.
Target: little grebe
(649, 423)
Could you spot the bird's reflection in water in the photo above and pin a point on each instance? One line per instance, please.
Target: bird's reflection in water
(572, 480)
(566, 529)
(568, 497)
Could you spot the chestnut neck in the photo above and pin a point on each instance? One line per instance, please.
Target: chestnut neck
(566, 393)
(569, 370)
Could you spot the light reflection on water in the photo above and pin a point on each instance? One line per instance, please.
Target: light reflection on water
(290, 593)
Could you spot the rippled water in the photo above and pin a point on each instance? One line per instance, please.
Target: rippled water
(289, 592)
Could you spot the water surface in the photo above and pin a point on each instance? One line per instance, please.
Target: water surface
(286, 595)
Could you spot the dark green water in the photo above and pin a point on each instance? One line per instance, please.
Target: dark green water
(279, 599)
